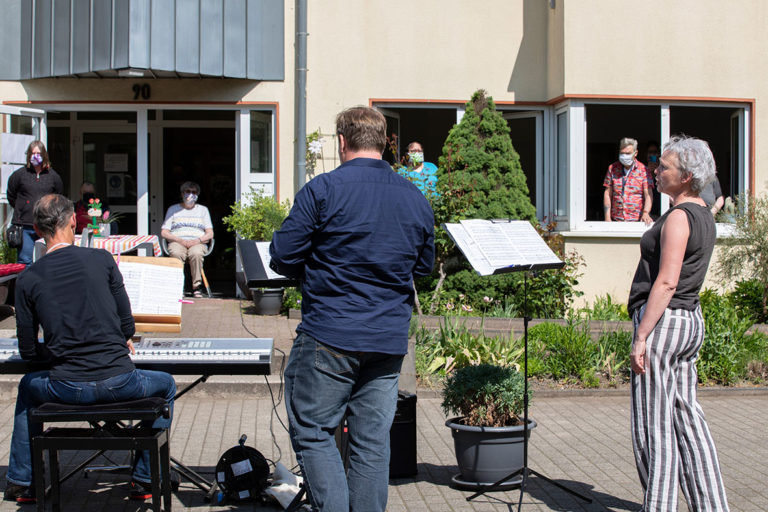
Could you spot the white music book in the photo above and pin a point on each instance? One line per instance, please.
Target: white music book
(500, 246)
(153, 289)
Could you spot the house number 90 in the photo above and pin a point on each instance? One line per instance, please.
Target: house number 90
(141, 91)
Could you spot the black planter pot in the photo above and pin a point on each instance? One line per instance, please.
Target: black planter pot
(267, 301)
(485, 455)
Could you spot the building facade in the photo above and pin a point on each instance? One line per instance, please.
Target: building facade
(166, 90)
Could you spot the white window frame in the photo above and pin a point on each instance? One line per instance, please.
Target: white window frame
(574, 225)
(39, 128)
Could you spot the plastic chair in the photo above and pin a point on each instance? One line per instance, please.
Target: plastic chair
(209, 243)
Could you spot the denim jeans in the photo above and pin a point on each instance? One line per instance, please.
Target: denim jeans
(24, 254)
(37, 388)
(321, 384)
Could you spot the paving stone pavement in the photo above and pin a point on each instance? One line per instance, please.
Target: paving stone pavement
(580, 441)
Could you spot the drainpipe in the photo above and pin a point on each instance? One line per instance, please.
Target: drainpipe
(301, 95)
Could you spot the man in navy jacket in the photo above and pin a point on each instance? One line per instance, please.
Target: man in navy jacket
(356, 237)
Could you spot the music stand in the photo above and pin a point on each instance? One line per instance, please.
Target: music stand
(488, 246)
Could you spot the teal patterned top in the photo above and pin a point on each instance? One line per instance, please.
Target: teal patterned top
(425, 180)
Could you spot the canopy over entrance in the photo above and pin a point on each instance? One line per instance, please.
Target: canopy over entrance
(142, 38)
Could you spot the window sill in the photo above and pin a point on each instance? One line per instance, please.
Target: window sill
(630, 230)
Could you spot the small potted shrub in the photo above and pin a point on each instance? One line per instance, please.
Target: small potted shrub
(256, 218)
(488, 435)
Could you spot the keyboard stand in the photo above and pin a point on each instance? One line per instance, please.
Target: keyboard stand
(207, 486)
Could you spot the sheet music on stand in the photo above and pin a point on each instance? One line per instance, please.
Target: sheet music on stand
(501, 246)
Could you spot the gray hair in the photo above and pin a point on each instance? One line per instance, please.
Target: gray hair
(627, 141)
(694, 158)
(52, 213)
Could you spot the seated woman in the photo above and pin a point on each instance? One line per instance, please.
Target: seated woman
(187, 227)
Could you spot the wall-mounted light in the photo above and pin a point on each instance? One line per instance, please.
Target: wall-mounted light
(132, 73)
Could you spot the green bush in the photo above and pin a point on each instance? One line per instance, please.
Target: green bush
(568, 351)
(291, 300)
(745, 255)
(257, 217)
(7, 254)
(486, 395)
(605, 309)
(613, 355)
(727, 348)
(454, 346)
(747, 297)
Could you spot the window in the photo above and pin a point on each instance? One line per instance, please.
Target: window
(584, 150)
(261, 142)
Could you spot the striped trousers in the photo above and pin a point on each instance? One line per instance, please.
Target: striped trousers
(671, 440)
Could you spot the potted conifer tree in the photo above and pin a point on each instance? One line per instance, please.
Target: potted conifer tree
(488, 434)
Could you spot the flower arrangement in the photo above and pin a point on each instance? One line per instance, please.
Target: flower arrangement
(314, 150)
(100, 220)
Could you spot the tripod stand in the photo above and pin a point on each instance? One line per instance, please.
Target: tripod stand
(525, 471)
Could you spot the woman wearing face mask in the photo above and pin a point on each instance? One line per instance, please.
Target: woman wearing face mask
(420, 173)
(628, 187)
(187, 227)
(25, 186)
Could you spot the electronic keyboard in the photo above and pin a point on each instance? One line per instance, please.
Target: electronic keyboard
(178, 356)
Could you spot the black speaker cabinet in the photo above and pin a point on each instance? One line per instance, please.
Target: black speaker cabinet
(402, 438)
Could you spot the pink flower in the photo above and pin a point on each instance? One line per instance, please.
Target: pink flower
(466, 308)
(449, 306)
(106, 215)
(487, 299)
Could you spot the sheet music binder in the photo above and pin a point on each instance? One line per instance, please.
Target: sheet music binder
(500, 246)
(255, 259)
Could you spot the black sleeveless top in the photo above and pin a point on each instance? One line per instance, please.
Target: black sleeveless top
(701, 242)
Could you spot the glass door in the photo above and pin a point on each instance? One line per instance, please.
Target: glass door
(108, 160)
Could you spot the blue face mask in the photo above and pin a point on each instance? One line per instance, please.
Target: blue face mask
(190, 198)
(653, 158)
(36, 159)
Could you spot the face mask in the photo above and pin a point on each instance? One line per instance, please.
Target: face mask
(36, 159)
(416, 157)
(88, 196)
(190, 198)
(625, 159)
(653, 158)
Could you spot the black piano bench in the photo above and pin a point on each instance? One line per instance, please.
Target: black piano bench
(107, 432)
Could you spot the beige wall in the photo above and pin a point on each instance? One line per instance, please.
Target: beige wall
(610, 267)
(686, 48)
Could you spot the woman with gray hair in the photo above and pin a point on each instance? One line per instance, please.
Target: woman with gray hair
(672, 443)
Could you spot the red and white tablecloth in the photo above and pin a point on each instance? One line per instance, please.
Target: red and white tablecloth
(124, 243)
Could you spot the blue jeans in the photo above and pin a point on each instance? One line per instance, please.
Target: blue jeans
(321, 384)
(37, 388)
(24, 254)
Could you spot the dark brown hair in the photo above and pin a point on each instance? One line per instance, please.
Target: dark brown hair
(364, 128)
(39, 145)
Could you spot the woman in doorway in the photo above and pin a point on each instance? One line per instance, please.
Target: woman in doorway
(670, 436)
(25, 186)
(420, 173)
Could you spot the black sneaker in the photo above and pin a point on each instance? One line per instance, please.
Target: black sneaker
(19, 493)
(140, 490)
